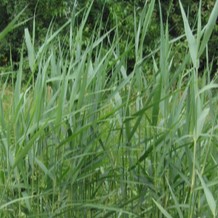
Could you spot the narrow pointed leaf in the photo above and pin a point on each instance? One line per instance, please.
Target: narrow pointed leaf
(209, 196)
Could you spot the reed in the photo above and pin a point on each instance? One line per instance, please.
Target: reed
(76, 142)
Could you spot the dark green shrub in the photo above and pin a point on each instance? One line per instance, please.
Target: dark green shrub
(44, 12)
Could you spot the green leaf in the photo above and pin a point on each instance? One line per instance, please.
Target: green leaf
(28, 146)
(200, 121)
(156, 101)
(210, 199)
(30, 48)
(192, 42)
(209, 28)
(175, 199)
(10, 26)
(163, 211)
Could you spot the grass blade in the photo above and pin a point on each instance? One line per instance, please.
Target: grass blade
(209, 196)
(192, 42)
(10, 26)
(163, 211)
(30, 48)
(209, 28)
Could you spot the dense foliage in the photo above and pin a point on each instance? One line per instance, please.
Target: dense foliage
(118, 12)
(108, 114)
(44, 12)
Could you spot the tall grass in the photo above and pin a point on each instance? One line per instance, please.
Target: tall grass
(83, 138)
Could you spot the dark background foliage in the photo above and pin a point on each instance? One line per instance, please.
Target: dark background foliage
(111, 12)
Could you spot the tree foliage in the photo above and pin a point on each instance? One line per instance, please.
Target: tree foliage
(120, 13)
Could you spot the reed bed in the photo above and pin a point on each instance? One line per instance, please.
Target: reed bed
(80, 136)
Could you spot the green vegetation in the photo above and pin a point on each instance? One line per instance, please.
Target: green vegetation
(85, 133)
